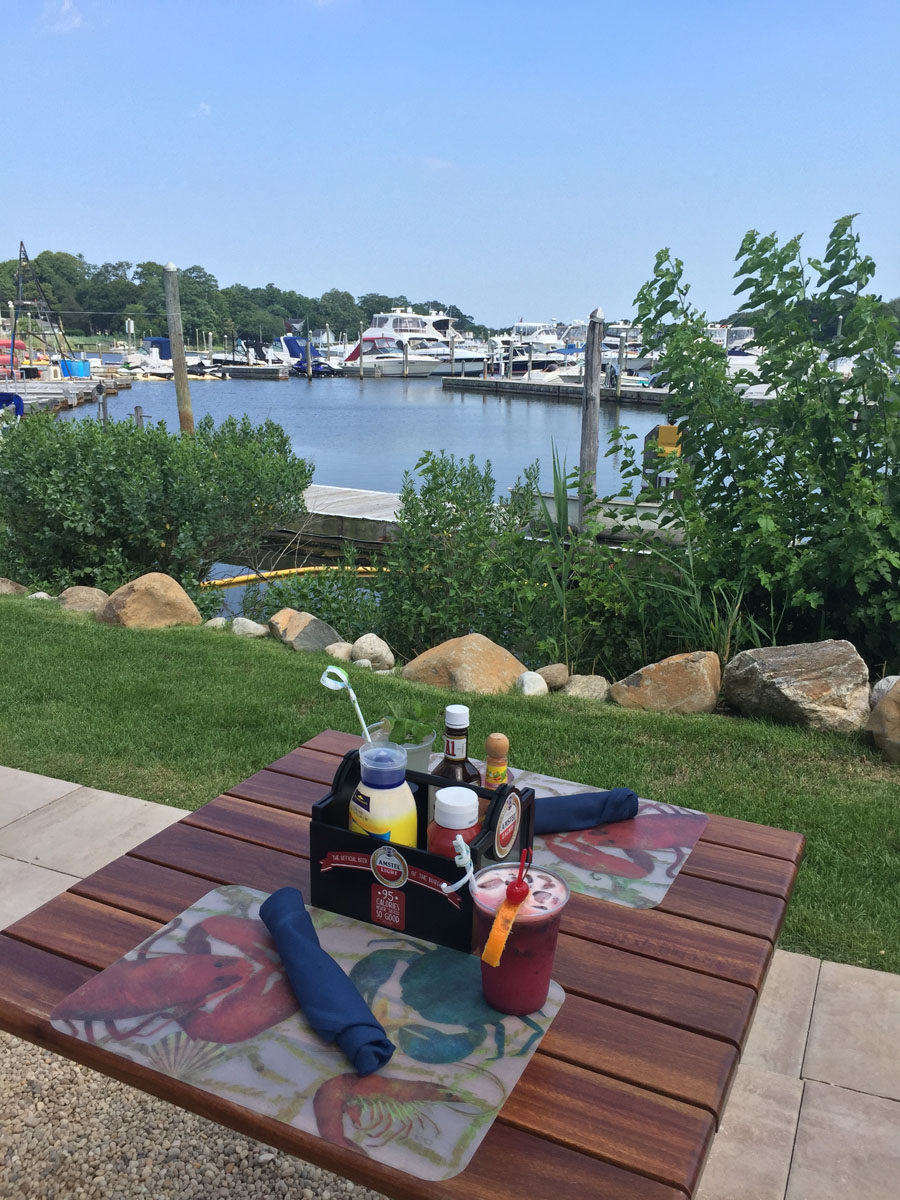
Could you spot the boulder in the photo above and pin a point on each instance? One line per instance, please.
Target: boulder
(82, 599)
(884, 724)
(216, 623)
(822, 685)
(881, 688)
(152, 601)
(555, 675)
(340, 650)
(302, 630)
(375, 649)
(286, 624)
(39, 596)
(244, 627)
(466, 664)
(9, 588)
(365, 663)
(530, 683)
(682, 683)
(587, 687)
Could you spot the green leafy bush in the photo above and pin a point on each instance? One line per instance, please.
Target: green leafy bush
(460, 561)
(85, 503)
(339, 595)
(790, 507)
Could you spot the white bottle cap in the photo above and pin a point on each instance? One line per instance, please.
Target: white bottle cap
(455, 807)
(456, 716)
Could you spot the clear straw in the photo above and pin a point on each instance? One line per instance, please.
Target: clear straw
(336, 679)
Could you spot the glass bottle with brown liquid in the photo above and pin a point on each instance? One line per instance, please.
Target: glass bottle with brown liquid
(455, 764)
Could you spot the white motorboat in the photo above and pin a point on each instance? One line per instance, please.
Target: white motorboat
(380, 357)
(433, 336)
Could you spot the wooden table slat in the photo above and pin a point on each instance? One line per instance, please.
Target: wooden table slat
(722, 953)
(759, 839)
(280, 791)
(724, 864)
(81, 929)
(713, 1007)
(256, 823)
(712, 903)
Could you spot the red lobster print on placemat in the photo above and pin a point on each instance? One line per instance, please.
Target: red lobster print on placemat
(629, 862)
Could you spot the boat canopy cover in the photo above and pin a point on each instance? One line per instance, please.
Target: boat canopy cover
(162, 344)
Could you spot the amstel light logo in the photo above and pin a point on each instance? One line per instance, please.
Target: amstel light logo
(389, 867)
(508, 825)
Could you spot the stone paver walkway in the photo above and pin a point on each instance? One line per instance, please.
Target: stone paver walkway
(815, 1108)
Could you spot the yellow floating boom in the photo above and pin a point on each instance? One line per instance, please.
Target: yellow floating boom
(259, 576)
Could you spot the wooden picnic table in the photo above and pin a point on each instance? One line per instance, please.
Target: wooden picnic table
(621, 1101)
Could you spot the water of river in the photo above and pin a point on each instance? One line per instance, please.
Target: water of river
(366, 433)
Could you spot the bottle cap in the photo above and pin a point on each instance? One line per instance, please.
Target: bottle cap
(456, 716)
(455, 807)
(382, 764)
(496, 745)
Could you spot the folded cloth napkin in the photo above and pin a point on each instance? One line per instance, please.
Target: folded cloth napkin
(331, 1003)
(559, 814)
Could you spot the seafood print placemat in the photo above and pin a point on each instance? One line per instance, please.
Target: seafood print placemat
(628, 862)
(205, 1001)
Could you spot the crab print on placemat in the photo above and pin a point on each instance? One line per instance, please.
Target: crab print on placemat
(628, 862)
(204, 1000)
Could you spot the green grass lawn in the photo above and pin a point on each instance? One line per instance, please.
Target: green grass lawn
(179, 715)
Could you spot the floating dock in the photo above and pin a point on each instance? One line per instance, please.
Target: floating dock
(41, 395)
(564, 392)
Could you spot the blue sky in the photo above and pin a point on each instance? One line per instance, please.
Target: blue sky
(517, 159)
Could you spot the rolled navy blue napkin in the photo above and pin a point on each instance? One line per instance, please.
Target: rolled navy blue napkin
(331, 1003)
(584, 810)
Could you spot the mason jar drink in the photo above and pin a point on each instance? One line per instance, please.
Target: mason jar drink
(520, 982)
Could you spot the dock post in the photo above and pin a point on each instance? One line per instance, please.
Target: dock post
(406, 360)
(452, 355)
(590, 413)
(104, 409)
(530, 359)
(308, 353)
(360, 350)
(622, 351)
(176, 337)
(139, 416)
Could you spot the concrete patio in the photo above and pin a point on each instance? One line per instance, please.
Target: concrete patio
(815, 1108)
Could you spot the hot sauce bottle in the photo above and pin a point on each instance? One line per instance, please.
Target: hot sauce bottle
(455, 814)
(496, 753)
(455, 764)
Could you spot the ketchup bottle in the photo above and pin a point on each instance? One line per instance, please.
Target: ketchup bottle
(455, 814)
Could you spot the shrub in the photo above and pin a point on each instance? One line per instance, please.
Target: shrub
(460, 561)
(790, 508)
(338, 595)
(92, 504)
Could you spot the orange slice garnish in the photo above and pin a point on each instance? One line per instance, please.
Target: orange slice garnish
(503, 922)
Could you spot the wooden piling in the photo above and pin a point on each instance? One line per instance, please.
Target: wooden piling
(176, 339)
(590, 412)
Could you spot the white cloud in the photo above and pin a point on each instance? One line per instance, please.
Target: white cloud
(60, 16)
(202, 111)
(437, 164)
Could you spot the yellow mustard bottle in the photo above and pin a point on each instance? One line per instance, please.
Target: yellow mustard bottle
(383, 805)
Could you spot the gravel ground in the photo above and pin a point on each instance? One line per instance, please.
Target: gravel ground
(67, 1132)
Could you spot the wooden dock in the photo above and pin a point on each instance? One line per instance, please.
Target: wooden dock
(570, 393)
(338, 516)
(41, 395)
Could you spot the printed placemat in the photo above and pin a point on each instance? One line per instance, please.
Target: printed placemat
(205, 1001)
(628, 862)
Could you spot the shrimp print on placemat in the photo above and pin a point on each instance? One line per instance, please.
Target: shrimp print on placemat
(204, 1000)
(627, 862)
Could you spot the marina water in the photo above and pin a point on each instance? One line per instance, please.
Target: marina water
(366, 433)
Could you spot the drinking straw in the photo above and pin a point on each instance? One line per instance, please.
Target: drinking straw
(336, 679)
